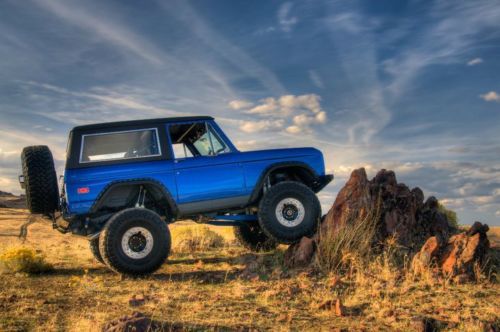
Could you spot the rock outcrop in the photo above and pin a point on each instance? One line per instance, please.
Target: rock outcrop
(456, 256)
(400, 212)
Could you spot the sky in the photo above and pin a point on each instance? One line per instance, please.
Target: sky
(412, 86)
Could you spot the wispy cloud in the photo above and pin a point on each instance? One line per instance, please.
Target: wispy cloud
(316, 79)
(357, 57)
(106, 98)
(285, 20)
(233, 54)
(452, 32)
(474, 61)
(105, 28)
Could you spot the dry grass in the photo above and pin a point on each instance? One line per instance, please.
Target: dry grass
(195, 238)
(339, 248)
(200, 290)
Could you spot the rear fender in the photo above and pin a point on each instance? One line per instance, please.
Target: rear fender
(119, 192)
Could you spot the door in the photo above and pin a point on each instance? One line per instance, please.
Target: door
(207, 172)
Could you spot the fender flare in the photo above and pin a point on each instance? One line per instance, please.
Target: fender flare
(273, 167)
(133, 182)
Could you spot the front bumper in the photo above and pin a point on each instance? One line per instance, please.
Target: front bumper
(321, 182)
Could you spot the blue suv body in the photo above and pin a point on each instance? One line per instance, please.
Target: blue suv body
(179, 168)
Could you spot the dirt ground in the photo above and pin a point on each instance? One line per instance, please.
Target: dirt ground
(212, 291)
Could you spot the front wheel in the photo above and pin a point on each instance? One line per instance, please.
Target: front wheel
(135, 241)
(289, 211)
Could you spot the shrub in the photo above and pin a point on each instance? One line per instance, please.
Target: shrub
(450, 215)
(196, 238)
(22, 259)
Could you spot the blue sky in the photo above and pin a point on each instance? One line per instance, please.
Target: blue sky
(412, 86)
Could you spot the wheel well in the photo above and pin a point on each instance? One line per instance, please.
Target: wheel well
(126, 194)
(292, 173)
(282, 173)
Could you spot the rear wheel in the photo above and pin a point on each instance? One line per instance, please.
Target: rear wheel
(288, 211)
(40, 179)
(94, 248)
(251, 236)
(135, 241)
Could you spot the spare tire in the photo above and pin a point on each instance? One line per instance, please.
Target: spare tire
(40, 180)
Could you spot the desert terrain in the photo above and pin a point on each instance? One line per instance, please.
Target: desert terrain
(223, 288)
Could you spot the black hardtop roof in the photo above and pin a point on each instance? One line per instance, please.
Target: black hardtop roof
(105, 125)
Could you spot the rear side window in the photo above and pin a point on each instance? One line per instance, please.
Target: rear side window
(140, 143)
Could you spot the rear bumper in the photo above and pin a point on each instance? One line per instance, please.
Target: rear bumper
(321, 182)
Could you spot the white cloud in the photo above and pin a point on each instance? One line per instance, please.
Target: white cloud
(295, 113)
(474, 62)
(239, 104)
(293, 129)
(490, 96)
(247, 145)
(285, 20)
(262, 125)
(497, 213)
(267, 106)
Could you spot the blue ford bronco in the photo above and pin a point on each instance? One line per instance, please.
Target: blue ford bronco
(124, 182)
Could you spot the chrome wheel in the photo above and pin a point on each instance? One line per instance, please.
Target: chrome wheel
(290, 212)
(137, 242)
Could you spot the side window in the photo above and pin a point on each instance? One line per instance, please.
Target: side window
(129, 144)
(196, 139)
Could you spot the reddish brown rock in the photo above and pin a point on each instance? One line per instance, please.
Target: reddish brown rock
(457, 256)
(399, 212)
(301, 254)
(424, 257)
(465, 249)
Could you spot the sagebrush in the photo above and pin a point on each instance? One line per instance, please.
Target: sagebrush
(24, 260)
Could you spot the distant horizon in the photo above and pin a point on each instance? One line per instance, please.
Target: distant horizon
(407, 86)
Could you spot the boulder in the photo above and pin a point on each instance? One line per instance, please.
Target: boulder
(301, 254)
(457, 256)
(400, 212)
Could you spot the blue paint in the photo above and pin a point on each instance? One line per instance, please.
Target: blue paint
(195, 179)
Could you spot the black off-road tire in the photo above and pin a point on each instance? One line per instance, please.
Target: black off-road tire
(94, 249)
(110, 242)
(268, 219)
(40, 179)
(251, 236)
